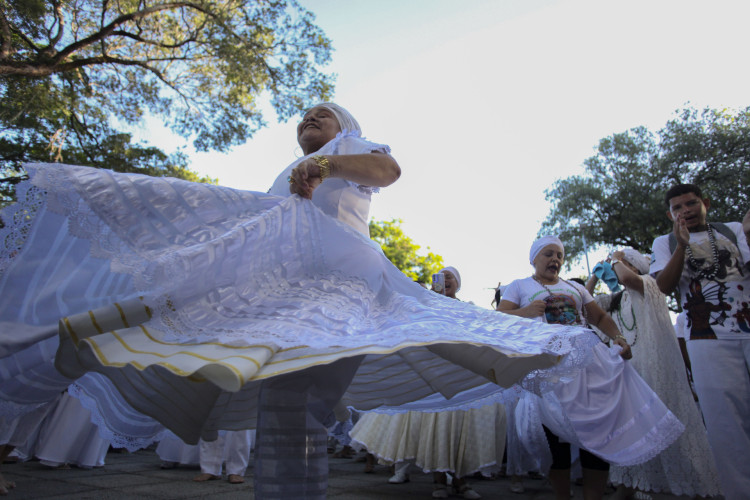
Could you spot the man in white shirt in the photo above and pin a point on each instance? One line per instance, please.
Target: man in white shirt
(708, 264)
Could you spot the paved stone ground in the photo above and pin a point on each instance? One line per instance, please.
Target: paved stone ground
(138, 476)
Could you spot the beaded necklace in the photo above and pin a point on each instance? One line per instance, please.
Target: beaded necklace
(533, 276)
(705, 273)
(630, 328)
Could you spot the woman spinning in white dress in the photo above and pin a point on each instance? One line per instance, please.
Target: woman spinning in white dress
(202, 307)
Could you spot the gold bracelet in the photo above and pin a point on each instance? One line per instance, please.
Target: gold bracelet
(324, 165)
(621, 337)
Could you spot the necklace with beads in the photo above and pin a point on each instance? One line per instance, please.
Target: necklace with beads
(705, 273)
(630, 328)
(533, 276)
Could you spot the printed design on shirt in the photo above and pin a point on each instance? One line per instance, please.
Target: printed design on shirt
(562, 310)
(715, 302)
(558, 289)
(729, 264)
(743, 314)
(700, 307)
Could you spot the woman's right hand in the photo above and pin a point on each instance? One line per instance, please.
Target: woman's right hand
(304, 178)
(533, 310)
(625, 353)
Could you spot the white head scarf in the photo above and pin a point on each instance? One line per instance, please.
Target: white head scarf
(345, 118)
(542, 242)
(455, 274)
(637, 259)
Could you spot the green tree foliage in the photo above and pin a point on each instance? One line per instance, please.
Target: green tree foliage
(70, 70)
(619, 200)
(402, 251)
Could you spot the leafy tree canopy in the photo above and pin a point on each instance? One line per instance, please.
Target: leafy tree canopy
(619, 200)
(69, 69)
(402, 251)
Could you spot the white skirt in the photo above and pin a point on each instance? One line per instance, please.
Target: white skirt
(67, 436)
(178, 299)
(173, 449)
(460, 441)
(606, 408)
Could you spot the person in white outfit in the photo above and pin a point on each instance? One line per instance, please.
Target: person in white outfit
(67, 436)
(641, 313)
(547, 297)
(232, 448)
(708, 264)
(462, 441)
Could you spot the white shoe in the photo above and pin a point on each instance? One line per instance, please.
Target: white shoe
(399, 477)
(467, 492)
(440, 491)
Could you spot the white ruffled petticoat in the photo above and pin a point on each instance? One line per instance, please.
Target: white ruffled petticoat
(460, 441)
(606, 409)
(176, 300)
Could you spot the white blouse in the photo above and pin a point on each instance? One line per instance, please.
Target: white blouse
(339, 198)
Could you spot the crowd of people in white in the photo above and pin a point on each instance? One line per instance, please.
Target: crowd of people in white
(138, 309)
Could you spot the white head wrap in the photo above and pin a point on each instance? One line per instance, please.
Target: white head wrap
(542, 242)
(455, 274)
(637, 259)
(345, 118)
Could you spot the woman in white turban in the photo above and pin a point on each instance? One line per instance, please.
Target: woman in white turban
(641, 313)
(548, 298)
(452, 281)
(204, 308)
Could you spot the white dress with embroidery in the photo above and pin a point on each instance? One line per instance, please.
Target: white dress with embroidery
(687, 466)
(175, 300)
(597, 409)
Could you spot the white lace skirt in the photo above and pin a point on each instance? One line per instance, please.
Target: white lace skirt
(686, 467)
(460, 441)
(177, 299)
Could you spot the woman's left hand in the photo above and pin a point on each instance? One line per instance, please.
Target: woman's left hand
(305, 177)
(626, 353)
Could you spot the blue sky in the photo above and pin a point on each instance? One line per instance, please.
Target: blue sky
(486, 103)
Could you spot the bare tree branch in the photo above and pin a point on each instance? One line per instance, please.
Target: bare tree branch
(28, 41)
(139, 39)
(59, 20)
(108, 29)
